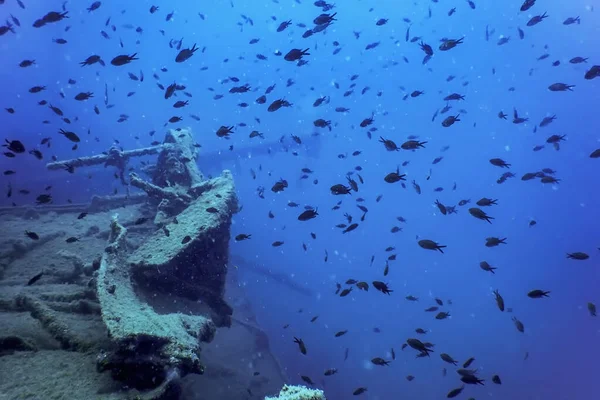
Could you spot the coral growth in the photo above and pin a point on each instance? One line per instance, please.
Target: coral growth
(289, 392)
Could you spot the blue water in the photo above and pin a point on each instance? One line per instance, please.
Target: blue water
(560, 338)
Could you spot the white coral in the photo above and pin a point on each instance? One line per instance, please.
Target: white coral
(290, 392)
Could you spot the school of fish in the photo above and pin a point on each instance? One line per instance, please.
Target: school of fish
(61, 127)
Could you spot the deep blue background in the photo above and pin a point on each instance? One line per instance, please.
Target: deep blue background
(560, 336)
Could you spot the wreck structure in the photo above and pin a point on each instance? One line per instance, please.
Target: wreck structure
(185, 257)
(161, 294)
(142, 285)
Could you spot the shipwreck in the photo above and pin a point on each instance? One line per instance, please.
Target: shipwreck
(150, 276)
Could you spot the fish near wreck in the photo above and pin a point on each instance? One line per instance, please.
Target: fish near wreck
(307, 215)
(538, 294)
(593, 72)
(324, 19)
(185, 54)
(224, 131)
(390, 145)
(380, 361)
(395, 176)
(421, 347)
(480, 214)
(578, 256)
(450, 120)
(340, 189)
(560, 87)
(277, 104)
(301, 345)
(296, 54)
(412, 145)
(448, 44)
(494, 241)
(279, 186)
(123, 59)
(431, 245)
(499, 300)
(382, 287)
(14, 145)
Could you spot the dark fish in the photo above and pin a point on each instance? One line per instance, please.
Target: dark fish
(301, 345)
(499, 300)
(14, 145)
(448, 44)
(350, 228)
(35, 279)
(571, 20)
(527, 4)
(394, 177)
(560, 87)
(382, 287)
(283, 25)
(307, 379)
(467, 363)
(442, 315)
(307, 215)
(380, 361)
(32, 235)
(185, 54)
(123, 59)
(43, 199)
(70, 135)
(538, 294)
(455, 392)
(296, 54)
(94, 6)
(536, 19)
(431, 245)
